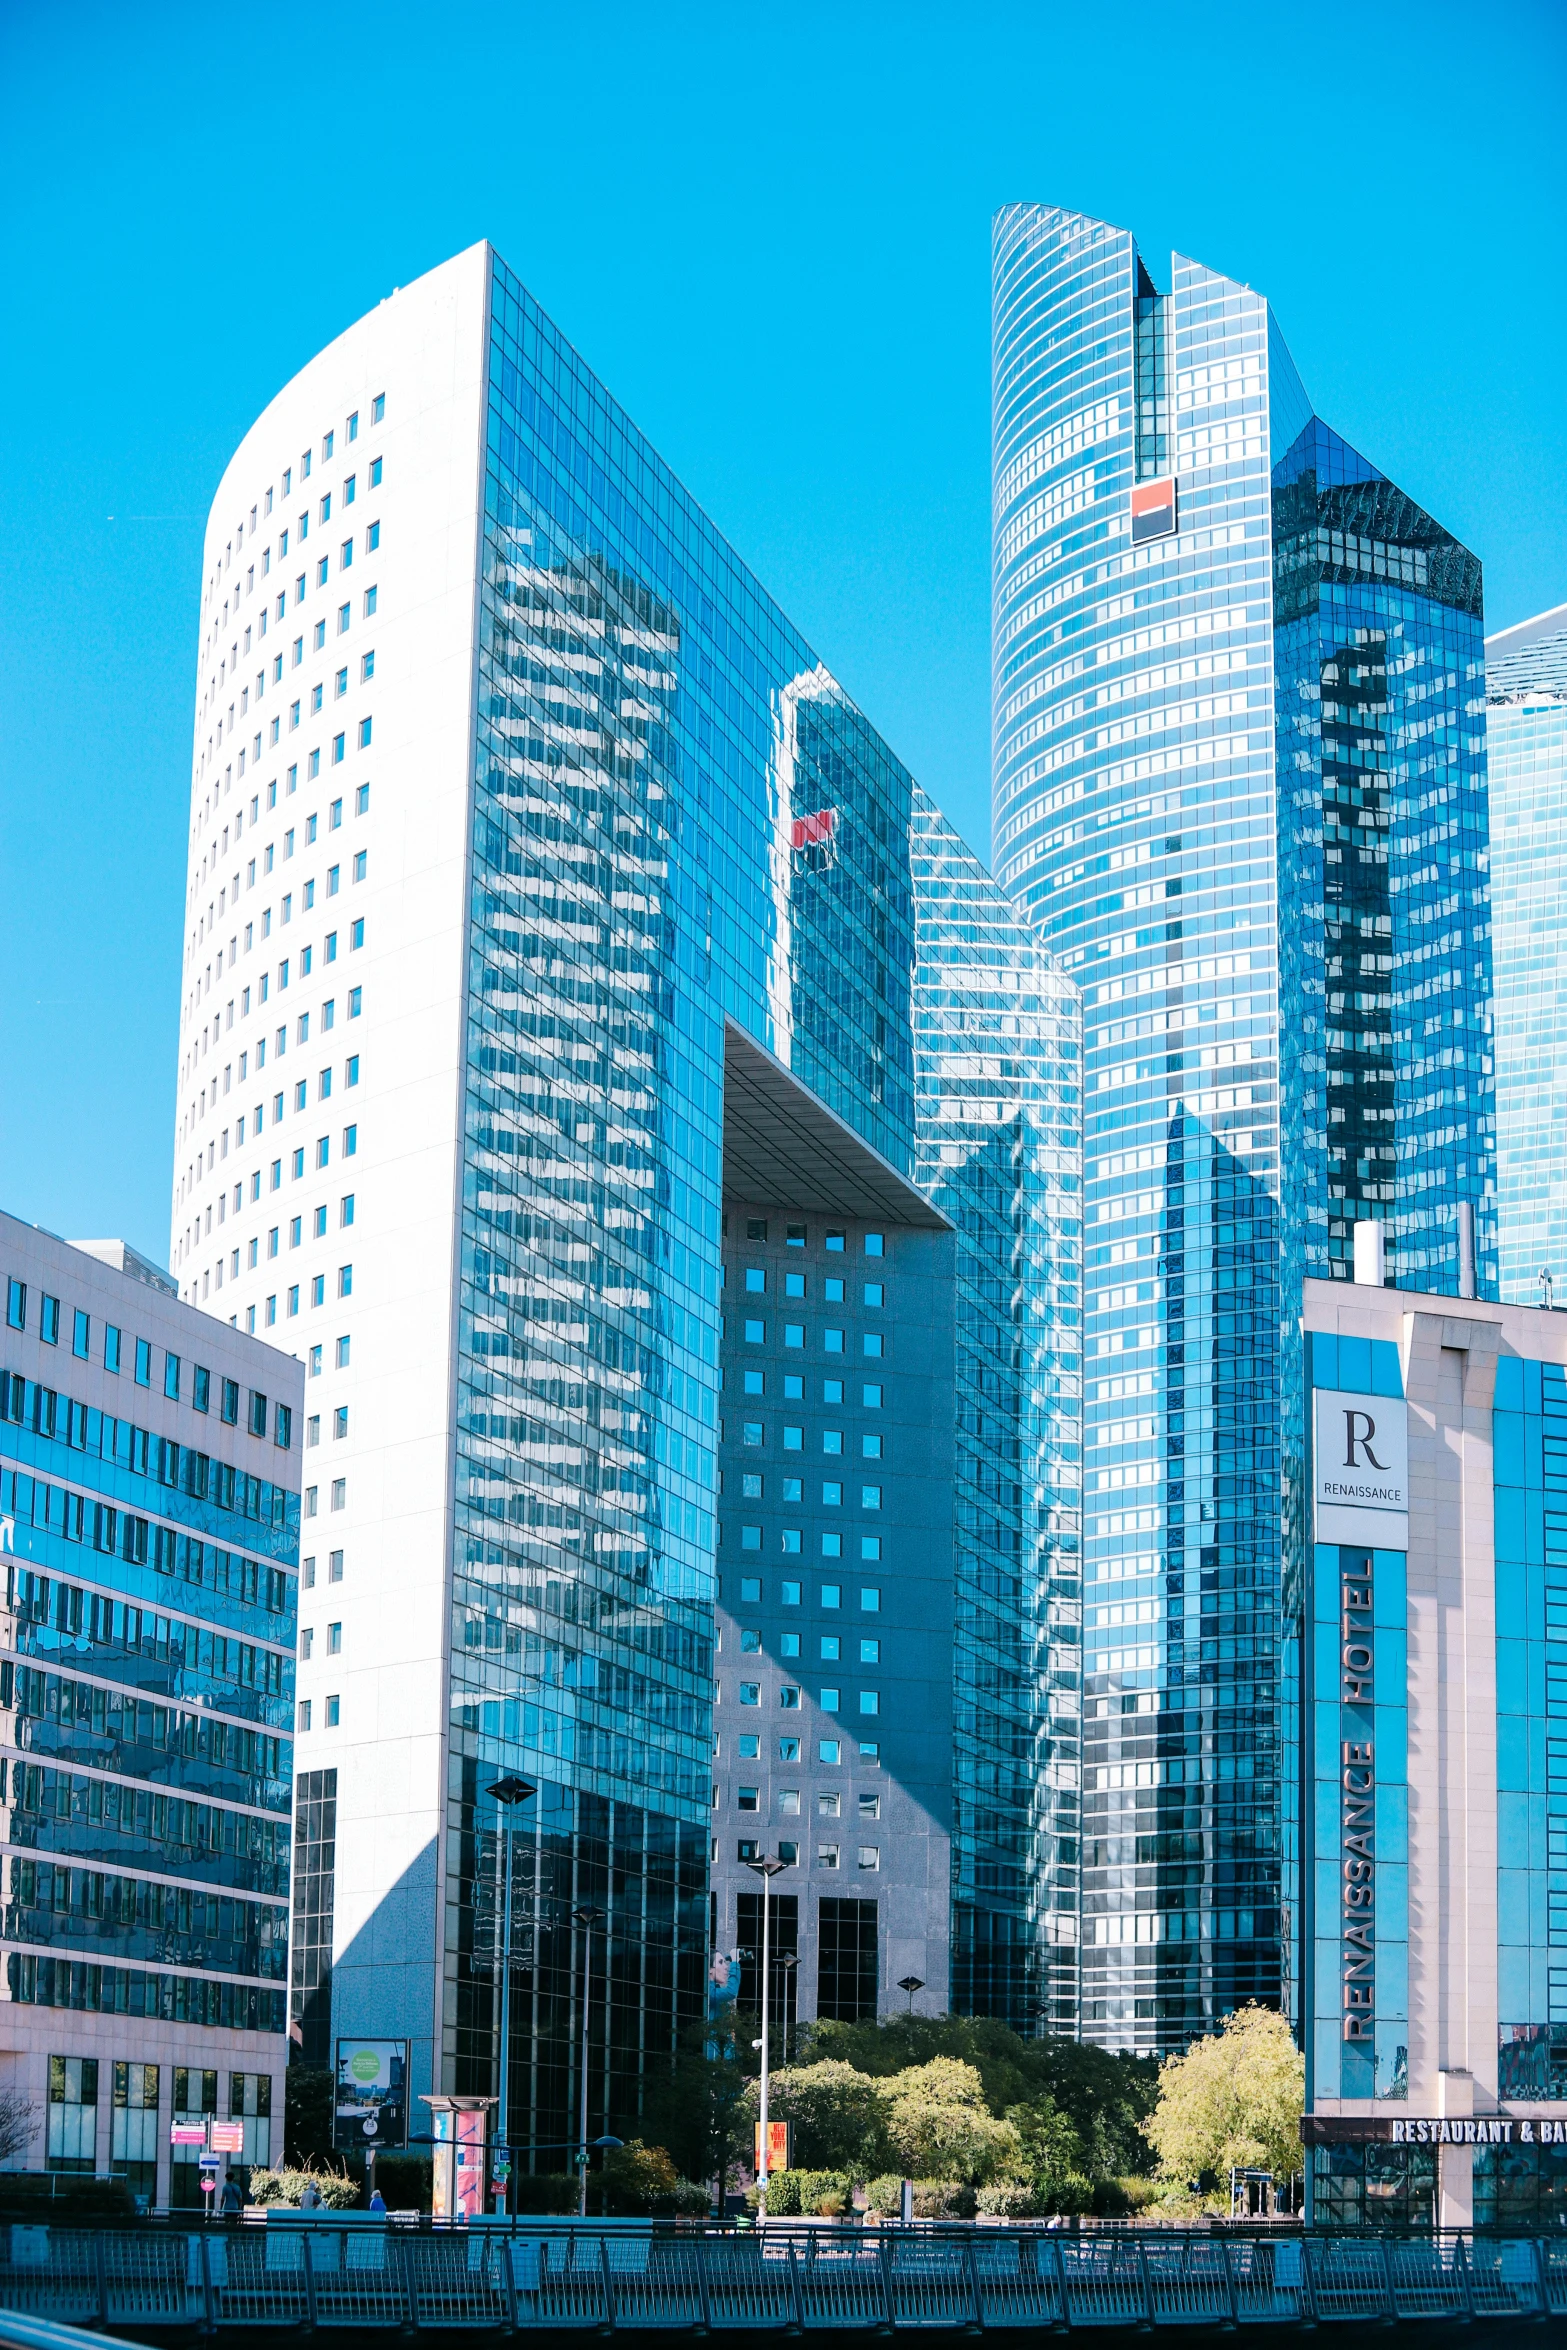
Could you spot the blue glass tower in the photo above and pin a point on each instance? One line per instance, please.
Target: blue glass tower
(1151, 620)
(1526, 733)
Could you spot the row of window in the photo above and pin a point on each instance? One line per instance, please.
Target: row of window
(334, 1570)
(873, 1293)
(872, 1342)
(827, 1855)
(181, 1468)
(113, 1361)
(829, 1701)
(748, 1746)
(320, 1157)
(791, 1537)
(751, 1489)
(831, 1652)
(797, 1236)
(339, 1493)
(755, 1383)
(296, 1228)
(307, 1642)
(754, 1432)
(829, 1595)
(331, 1712)
(317, 1288)
(313, 1424)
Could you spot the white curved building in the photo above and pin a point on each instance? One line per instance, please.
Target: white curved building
(521, 821)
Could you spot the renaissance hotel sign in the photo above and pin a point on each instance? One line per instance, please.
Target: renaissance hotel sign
(1361, 1448)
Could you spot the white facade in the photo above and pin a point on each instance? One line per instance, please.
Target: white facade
(330, 778)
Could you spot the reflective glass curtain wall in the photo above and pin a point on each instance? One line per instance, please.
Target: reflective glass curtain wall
(1134, 820)
(1200, 589)
(652, 735)
(1526, 736)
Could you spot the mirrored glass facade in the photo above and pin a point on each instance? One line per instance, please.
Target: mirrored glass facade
(1146, 637)
(1526, 734)
(679, 820)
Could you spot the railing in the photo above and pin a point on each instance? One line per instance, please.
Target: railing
(790, 2277)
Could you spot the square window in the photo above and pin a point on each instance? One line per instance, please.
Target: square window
(750, 1642)
(832, 1291)
(832, 1495)
(750, 1538)
(794, 1285)
(871, 1343)
(870, 1546)
(790, 1595)
(750, 1693)
(870, 1752)
(832, 1595)
(827, 1856)
(874, 1245)
(794, 1236)
(832, 1440)
(870, 1807)
(870, 1652)
(750, 1746)
(870, 1448)
(794, 1333)
(789, 1802)
(832, 1546)
(755, 1228)
(754, 1382)
(828, 1750)
(788, 1697)
(828, 1701)
(755, 1333)
(834, 1240)
(747, 1848)
(873, 1293)
(871, 1398)
(832, 1391)
(832, 1341)
(792, 1489)
(751, 1432)
(751, 1488)
(750, 1587)
(829, 1806)
(794, 1387)
(788, 1750)
(755, 1278)
(791, 1534)
(832, 1648)
(870, 1701)
(870, 1856)
(788, 1643)
(870, 1599)
(745, 1799)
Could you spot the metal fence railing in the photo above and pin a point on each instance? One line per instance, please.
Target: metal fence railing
(526, 2275)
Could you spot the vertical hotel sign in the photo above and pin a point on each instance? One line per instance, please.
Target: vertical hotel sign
(1361, 1460)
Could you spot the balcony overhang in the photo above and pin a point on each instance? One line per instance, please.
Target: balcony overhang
(783, 1147)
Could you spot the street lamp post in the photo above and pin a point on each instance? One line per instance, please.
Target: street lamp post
(587, 1919)
(766, 1868)
(508, 1792)
(911, 1984)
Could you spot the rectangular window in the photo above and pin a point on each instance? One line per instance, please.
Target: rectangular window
(833, 1341)
(143, 1362)
(871, 1343)
(338, 741)
(371, 595)
(304, 1713)
(375, 473)
(339, 1493)
(49, 1320)
(81, 1332)
(333, 1712)
(258, 1413)
(870, 1598)
(16, 1304)
(350, 489)
(111, 1347)
(345, 1280)
(171, 1377)
(361, 861)
(372, 539)
(350, 1141)
(230, 1412)
(345, 1209)
(378, 408)
(365, 726)
(356, 1003)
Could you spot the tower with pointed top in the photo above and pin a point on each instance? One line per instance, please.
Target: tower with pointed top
(1239, 786)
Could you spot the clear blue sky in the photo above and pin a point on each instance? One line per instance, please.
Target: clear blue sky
(766, 227)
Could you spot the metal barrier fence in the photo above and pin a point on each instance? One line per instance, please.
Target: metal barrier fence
(791, 2277)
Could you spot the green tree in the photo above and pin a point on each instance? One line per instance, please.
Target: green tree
(941, 2127)
(1108, 2097)
(839, 2115)
(1051, 2158)
(307, 2114)
(1235, 2097)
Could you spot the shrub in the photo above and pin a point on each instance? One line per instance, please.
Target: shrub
(337, 2190)
(885, 2195)
(825, 2194)
(943, 2199)
(544, 2192)
(1008, 2199)
(635, 2178)
(404, 2181)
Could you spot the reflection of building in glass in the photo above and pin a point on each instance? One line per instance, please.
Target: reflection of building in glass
(1526, 738)
(1185, 561)
(594, 854)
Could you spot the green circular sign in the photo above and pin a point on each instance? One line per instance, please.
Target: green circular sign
(365, 2066)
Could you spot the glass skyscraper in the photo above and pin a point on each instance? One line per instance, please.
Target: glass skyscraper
(1238, 774)
(617, 919)
(1526, 733)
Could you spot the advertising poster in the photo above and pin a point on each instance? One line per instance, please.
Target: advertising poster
(370, 2109)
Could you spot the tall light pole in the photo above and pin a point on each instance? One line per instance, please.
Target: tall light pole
(766, 1868)
(788, 1963)
(508, 1793)
(911, 1984)
(587, 1919)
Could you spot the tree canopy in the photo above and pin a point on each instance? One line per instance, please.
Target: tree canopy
(1235, 2098)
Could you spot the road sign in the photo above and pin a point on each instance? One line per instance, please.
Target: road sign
(227, 2138)
(188, 2134)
